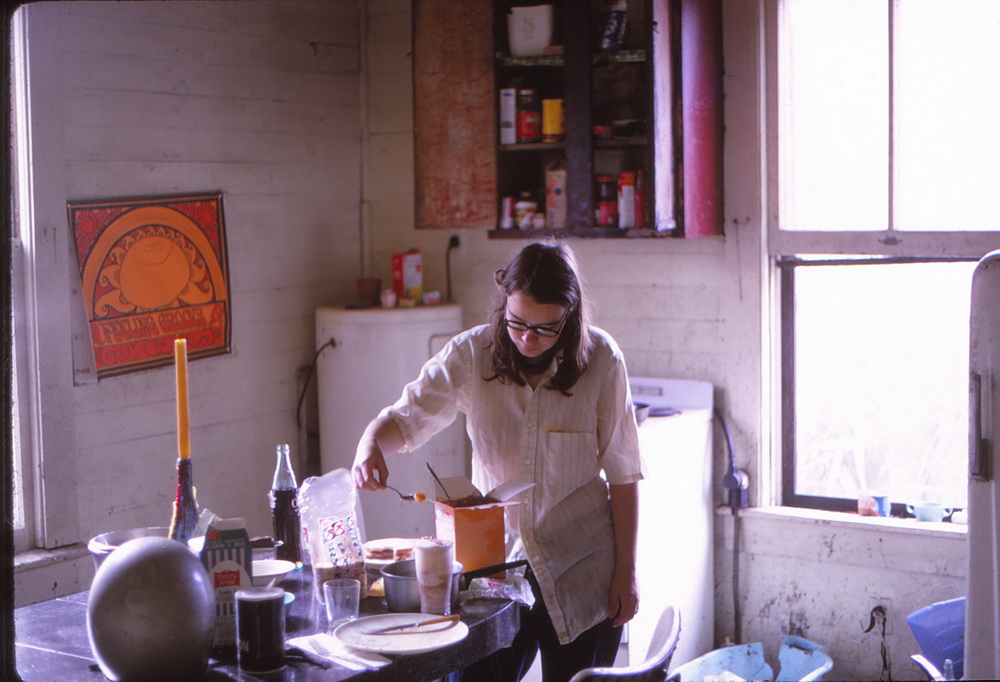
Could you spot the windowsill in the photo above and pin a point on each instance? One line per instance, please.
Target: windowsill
(39, 558)
(42, 574)
(853, 521)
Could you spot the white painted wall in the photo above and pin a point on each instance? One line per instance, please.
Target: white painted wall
(258, 100)
(262, 101)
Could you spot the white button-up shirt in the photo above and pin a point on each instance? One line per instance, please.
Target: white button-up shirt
(561, 443)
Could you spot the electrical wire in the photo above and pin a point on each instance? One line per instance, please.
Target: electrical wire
(305, 386)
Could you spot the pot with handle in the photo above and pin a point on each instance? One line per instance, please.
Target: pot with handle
(402, 595)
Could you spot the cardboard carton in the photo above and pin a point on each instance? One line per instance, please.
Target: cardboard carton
(407, 275)
(225, 551)
(477, 531)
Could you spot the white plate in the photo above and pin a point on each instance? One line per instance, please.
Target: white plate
(429, 638)
(266, 570)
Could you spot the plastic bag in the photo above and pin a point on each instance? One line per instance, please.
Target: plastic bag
(331, 526)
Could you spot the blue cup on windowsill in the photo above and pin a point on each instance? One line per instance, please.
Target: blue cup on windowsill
(934, 512)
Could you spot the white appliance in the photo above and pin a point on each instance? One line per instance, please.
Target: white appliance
(982, 613)
(377, 352)
(675, 558)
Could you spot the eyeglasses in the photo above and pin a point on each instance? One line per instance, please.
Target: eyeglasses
(542, 330)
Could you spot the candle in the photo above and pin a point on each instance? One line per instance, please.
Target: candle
(183, 434)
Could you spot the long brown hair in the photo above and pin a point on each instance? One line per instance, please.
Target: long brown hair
(549, 274)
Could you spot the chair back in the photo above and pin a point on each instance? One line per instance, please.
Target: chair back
(746, 661)
(654, 668)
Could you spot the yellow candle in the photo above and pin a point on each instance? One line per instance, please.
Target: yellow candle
(183, 429)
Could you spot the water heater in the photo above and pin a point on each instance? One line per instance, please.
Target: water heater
(377, 351)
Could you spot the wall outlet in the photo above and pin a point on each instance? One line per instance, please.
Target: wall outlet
(886, 604)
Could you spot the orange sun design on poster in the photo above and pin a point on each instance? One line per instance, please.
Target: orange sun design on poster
(152, 270)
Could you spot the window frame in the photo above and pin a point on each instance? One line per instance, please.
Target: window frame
(784, 247)
(47, 409)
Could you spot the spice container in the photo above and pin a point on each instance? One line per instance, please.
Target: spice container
(524, 211)
(552, 120)
(529, 116)
(626, 199)
(606, 205)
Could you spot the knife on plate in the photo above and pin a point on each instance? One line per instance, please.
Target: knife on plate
(412, 625)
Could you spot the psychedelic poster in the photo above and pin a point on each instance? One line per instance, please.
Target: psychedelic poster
(153, 270)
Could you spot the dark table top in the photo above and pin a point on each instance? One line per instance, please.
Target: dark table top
(52, 644)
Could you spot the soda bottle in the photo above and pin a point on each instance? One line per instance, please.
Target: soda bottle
(285, 508)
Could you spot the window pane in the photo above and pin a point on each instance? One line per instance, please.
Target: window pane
(947, 99)
(833, 114)
(881, 380)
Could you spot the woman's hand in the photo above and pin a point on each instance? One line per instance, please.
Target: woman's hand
(624, 598)
(369, 471)
(381, 438)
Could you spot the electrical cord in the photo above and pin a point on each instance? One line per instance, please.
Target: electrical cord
(736, 482)
(312, 369)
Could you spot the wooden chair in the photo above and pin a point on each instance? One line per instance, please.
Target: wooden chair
(654, 668)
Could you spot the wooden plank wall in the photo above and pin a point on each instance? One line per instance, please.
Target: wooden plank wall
(258, 100)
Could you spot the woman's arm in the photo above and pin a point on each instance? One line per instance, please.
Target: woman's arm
(624, 597)
(381, 438)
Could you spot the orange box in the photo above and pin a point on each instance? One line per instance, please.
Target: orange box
(477, 532)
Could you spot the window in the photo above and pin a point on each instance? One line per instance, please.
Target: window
(886, 155)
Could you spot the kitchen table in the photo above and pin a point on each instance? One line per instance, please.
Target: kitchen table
(51, 641)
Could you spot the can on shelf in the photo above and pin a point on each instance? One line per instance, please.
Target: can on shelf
(606, 205)
(529, 116)
(553, 129)
(626, 199)
(506, 213)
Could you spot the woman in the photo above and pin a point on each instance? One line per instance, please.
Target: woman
(546, 399)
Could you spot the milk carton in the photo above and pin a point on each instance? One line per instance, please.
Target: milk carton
(225, 551)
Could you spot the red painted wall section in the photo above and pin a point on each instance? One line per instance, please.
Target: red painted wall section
(454, 114)
(701, 86)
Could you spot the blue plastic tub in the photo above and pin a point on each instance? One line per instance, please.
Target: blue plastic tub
(940, 632)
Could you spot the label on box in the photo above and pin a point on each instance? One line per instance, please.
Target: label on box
(407, 275)
(227, 555)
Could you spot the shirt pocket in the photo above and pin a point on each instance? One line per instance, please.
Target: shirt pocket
(570, 458)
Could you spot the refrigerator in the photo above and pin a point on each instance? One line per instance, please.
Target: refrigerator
(375, 353)
(675, 563)
(982, 617)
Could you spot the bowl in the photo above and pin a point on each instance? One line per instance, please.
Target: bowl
(402, 595)
(101, 546)
(266, 570)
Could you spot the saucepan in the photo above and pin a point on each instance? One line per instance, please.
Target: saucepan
(402, 595)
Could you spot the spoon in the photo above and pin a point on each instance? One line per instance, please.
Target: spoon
(443, 489)
(415, 497)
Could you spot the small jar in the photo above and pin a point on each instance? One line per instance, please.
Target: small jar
(529, 116)
(606, 203)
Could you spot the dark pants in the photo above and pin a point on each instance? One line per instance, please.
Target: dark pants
(594, 647)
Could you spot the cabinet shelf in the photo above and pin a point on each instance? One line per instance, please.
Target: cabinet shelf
(585, 233)
(662, 94)
(557, 60)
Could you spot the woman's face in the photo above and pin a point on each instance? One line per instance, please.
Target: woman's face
(533, 327)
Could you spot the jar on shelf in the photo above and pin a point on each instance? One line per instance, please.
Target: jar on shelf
(529, 116)
(606, 203)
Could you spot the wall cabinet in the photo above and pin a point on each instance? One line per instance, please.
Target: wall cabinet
(650, 106)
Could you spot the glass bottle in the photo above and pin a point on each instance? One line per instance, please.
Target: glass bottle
(285, 508)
